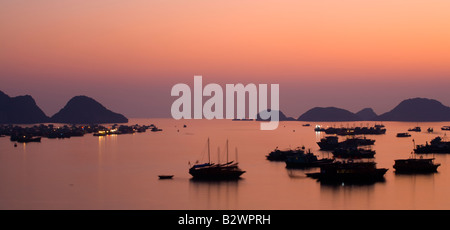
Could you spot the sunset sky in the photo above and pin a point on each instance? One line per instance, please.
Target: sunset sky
(128, 54)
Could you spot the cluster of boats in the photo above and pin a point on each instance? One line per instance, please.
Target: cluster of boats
(35, 133)
(343, 131)
(348, 165)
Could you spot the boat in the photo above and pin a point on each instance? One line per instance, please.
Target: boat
(403, 135)
(26, 139)
(163, 177)
(356, 131)
(212, 171)
(332, 143)
(445, 128)
(437, 145)
(415, 129)
(328, 143)
(155, 129)
(349, 171)
(305, 160)
(282, 155)
(430, 130)
(306, 125)
(355, 153)
(415, 165)
(356, 141)
(318, 128)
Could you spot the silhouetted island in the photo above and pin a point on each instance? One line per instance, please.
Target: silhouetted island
(282, 116)
(20, 110)
(328, 114)
(417, 109)
(366, 114)
(85, 110)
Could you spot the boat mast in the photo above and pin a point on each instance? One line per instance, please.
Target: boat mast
(209, 153)
(227, 151)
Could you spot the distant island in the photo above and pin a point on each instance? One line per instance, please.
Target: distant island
(79, 110)
(415, 110)
(20, 110)
(328, 114)
(85, 110)
(282, 116)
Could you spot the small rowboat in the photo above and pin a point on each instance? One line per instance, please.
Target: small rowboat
(165, 177)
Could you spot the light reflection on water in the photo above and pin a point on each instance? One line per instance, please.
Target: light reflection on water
(120, 171)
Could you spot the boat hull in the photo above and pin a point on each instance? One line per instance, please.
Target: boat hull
(216, 173)
(368, 177)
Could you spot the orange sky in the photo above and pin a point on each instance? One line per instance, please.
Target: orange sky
(52, 43)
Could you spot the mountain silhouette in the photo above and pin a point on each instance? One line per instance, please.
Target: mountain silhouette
(367, 114)
(20, 110)
(281, 116)
(417, 109)
(328, 114)
(85, 110)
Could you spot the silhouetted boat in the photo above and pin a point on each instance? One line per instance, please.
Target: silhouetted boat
(430, 130)
(445, 128)
(332, 143)
(306, 125)
(282, 155)
(318, 128)
(414, 165)
(354, 153)
(305, 160)
(328, 143)
(211, 171)
(25, 139)
(403, 135)
(162, 177)
(436, 146)
(356, 141)
(415, 129)
(356, 131)
(349, 171)
(155, 129)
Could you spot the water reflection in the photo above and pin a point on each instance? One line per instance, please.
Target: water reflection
(214, 194)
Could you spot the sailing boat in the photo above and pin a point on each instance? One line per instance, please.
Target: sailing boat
(211, 171)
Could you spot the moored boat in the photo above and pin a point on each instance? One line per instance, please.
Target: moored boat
(282, 155)
(437, 145)
(403, 135)
(349, 171)
(415, 165)
(305, 160)
(212, 171)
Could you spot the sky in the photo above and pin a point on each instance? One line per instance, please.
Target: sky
(127, 55)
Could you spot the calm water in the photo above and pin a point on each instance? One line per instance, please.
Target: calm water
(120, 172)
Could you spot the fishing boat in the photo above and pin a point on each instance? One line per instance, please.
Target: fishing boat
(349, 171)
(355, 153)
(282, 155)
(415, 165)
(437, 145)
(26, 139)
(356, 131)
(403, 135)
(332, 143)
(415, 129)
(328, 143)
(305, 160)
(445, 128)
(164, 177)
(212, 171)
